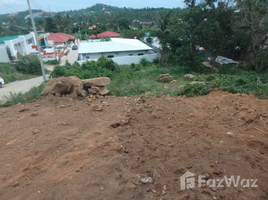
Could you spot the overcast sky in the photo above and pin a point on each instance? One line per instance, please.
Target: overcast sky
(11, 6)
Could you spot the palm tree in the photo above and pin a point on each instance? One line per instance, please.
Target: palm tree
(163, 31)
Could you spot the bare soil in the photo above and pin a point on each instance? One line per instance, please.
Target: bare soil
(59, 148)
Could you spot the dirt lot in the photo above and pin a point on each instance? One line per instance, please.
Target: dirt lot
(135, 148)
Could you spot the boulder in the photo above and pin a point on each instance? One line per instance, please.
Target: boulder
(63, 85)
(165, 78)
(97, 82)
(189, 77)
(103, 90)
(84, 93)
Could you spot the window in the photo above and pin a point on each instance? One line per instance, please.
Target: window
(130, 54)
(30, 41)
(140, 54)
(110, 56)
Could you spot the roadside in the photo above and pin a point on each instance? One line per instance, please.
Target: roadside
(71, 57)
(20, 86)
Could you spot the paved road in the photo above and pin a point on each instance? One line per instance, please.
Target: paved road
(71, 57)
(20, 86)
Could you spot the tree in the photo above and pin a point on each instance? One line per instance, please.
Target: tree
(163, 31)
(58, 21)
(253, 19)
(50, 25)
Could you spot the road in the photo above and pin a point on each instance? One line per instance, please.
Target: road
(71, 57)
(20, 86)
(26, 85)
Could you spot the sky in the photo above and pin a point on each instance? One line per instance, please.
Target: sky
(12, 6)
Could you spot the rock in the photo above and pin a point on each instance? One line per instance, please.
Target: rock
(189, 77)
(147, 180)
(34, 114)
(91, 91)
(196, 82)
(73, 95)
(181, 87)
(35, 132)
(37, 105)
(165, 78)
(96, 107)
(84, 93)
(63, 85)
(103, 90)
(98, 82)
(97, 89)
(24, 109)
(115, 125)
(16, 184)
(164, 187)
(230, 133)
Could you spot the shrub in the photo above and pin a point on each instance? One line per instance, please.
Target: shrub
(29, 65)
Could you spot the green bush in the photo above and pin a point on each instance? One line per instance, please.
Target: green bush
(10, 74)
(52, 62)
(29, 65)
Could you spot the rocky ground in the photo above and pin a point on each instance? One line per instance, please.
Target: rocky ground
(134, 148)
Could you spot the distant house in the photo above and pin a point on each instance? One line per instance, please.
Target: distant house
(146, 24)
(105, 34)
(92, 27)
(120, 50)
(59, 38)
(20, 44)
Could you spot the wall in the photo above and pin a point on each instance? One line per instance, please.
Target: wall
(21, 45)
(127, 60)
(3, 54)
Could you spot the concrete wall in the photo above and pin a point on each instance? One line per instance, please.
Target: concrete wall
(127, 60)
(21, 45)
(3, 54)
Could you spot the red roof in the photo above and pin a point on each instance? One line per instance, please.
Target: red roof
(60, 37)
(108, 34)
(92, 37)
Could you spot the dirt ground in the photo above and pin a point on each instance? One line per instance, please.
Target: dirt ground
(134, 148)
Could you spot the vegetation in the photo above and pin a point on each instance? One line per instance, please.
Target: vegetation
(29, 65)
(143, 77)
(14, 98)
(10, 73)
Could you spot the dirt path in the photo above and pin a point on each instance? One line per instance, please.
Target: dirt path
(135, 148)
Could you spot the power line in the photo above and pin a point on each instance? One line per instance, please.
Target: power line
(38, 4)
(34, 4)
(9, 6)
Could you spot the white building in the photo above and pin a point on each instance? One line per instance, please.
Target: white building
(120, 50)
(20, 44)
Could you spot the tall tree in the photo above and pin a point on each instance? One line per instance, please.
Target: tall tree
(253, 19)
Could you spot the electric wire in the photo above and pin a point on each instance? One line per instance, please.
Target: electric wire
(9, 6)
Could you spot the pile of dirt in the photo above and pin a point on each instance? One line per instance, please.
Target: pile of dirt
(135, 148)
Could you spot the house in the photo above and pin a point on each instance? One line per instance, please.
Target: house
(120, 50)
(105, 34)
(19, 44)
(59, 38)
(92, 27)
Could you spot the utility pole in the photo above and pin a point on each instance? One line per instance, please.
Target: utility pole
(38, 46)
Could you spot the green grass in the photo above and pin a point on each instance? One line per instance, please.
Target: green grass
(10, 74)
(14, 98)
